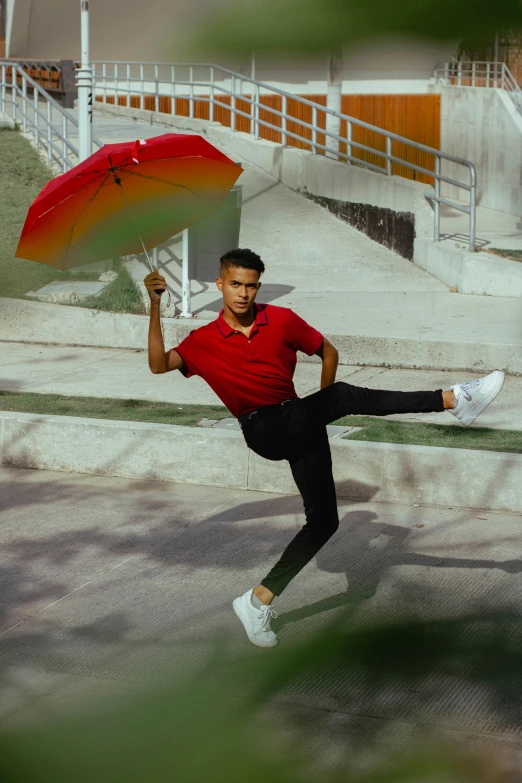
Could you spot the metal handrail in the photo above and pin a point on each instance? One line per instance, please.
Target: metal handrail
(160, 80)
(25, 98)
(479, 73)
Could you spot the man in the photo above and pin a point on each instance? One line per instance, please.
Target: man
(248, 357)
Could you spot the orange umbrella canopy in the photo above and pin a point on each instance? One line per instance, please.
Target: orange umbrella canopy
(124, 198)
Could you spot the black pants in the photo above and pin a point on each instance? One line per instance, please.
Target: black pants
(296, 431)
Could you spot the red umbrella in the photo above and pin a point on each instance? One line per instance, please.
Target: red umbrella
(126, 198)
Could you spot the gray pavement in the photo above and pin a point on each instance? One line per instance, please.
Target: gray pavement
(122, 374)
(109, 582)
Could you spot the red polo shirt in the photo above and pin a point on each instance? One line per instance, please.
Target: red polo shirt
(249, 372)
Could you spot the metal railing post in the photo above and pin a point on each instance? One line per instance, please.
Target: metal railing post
(191, 92)
(314, 129)
(128, 86)
(436, 208)
(473, 74)
(13, 91)
(24, 105)
(173, 83)
(36, 119)
(459, 74)
(488, 84)
(116, 79)
(49, 135)
(185, 280)
(284, 109)
(64, 143)
(389, 165)
(104, 78)
(349, 136)
(211, 104)
(3, 90)
(156, 95)
(472, 207)
(233, 103)
(256, 111)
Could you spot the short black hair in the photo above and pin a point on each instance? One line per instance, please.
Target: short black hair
(243, 258)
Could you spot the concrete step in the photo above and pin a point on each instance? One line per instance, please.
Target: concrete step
(418, 331)
(124, 374)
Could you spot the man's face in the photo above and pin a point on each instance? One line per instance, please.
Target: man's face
(239, 288)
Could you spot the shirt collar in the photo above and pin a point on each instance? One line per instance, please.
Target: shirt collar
(260, 320)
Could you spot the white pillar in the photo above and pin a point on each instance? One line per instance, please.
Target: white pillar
(333, 99)
(185, 281)
(85, 88)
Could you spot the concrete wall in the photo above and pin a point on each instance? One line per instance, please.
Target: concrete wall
(382, 472)
(484, 126)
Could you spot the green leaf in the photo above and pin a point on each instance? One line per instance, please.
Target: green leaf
(312, 26)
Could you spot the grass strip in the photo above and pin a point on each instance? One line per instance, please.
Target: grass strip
(118, 410)
(375, 429)
(513, 255)
(449, 436)
(22, 176)
(120, 296)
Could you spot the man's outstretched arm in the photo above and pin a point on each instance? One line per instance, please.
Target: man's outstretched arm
(330, 358)
(160, 361)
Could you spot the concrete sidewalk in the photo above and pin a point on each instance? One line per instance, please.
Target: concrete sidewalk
(120, 374)
(111, 583)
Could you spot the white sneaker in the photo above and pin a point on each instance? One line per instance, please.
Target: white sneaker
(474, 396)
(256, 621)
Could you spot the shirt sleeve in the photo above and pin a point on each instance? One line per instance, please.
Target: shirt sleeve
(187, 351)
(303, 336)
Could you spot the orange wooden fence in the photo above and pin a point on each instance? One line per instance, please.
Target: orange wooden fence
(416, 117)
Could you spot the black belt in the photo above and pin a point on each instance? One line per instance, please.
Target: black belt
(248, 416)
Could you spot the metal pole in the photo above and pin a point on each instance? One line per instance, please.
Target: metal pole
(24, 104)
(13, 91)
(233, 103)
(64, 149)
(211, 106)
(436, 208)
(36, 118)
(334, 87)
(191, 92)
(3, 93)
(85, 88)
(49, 135)
(389, 165)
(472, 208)
(185, 282)
(257, 111)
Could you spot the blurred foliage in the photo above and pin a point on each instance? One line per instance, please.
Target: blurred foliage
(207, 730)
(314, 26)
